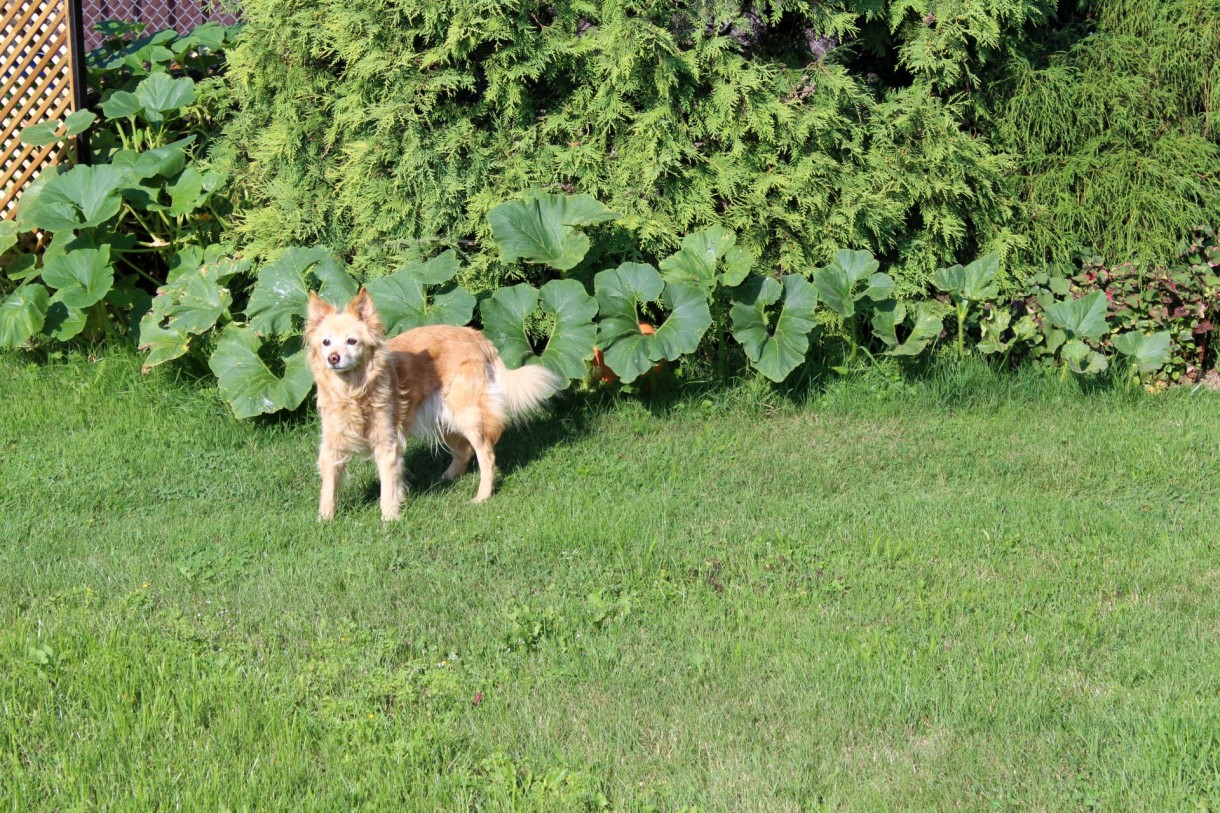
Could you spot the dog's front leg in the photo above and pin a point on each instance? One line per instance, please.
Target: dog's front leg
(389, 470)
(331, 468)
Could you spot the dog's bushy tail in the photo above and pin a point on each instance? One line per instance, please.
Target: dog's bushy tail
(525, 389)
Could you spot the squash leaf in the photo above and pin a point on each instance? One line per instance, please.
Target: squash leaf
(22, 314)
(404, 301)
(571, 339)
(248, 384)
(541, 228)
(775, 351)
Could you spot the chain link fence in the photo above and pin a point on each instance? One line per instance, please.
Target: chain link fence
(180, 15)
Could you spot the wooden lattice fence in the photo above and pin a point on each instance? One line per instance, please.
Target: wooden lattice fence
(39, 83)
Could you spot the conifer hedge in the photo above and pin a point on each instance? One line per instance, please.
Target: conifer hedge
(927, 131)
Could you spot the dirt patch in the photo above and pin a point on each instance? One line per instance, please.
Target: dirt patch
(1211, 379)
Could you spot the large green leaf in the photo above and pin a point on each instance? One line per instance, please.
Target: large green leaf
(64, 322)
(159, 93)
(774, 351)
(628, 351)
(200, 303)
(541, 227)
(837, 281)
(335, 285)
(122, 104)
(1083, 318)
(619, 293)
(504, 317)
(82, 197)
(48, 132)
(246, 382)
(160, 343)
(880, 286)
(685, 324)
(83, 276)
(973, 283)
(186, 193)
(404, 302)
(1082, 359)
(281, 293)
(1148, 353)
(22, 267)
(438, 270)
(8, 236)
(165, 161)
(41, 134)
(78, 122)
(889, 315)
(708, 259)
(22, 314)
(991, 330)
(570, 341)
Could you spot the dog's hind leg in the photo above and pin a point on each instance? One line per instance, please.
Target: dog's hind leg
(487, 466)
(389, 471)
(462, 452)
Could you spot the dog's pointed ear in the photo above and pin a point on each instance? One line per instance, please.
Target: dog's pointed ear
(362, 308)
(319, 309)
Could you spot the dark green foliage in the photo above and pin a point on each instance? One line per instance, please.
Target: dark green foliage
(1110, 111)
(388, 129)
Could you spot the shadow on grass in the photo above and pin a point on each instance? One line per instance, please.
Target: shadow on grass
(941, 380)
(568, 420)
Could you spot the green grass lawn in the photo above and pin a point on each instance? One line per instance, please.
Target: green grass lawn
(960, 592)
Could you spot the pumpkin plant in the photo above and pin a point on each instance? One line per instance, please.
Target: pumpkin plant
(567, 312)
(710, 260)
(840, 289)
(541, 227)
(773, 320)
(144, 209)
(1081, 322)
(622, 293)
(969, 285)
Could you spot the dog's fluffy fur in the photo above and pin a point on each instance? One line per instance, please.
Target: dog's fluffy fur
(441, 382)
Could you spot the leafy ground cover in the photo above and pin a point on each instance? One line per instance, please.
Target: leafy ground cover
(960, 590)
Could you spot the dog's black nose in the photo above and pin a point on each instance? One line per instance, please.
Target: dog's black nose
(333, 358)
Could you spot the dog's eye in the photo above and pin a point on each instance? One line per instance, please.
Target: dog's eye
(326, 342)
(351, 341)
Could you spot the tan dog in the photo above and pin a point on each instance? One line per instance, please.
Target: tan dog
(441, 382)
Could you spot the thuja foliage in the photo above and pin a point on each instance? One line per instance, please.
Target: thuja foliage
(387, 130)
(1110, 110)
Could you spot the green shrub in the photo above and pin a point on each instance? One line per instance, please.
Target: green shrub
(388, 130)
(1110, 109)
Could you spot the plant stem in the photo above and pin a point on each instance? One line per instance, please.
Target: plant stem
(961, 328)
(147, 277)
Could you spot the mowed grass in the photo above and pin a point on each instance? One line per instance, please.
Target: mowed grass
(960, 592)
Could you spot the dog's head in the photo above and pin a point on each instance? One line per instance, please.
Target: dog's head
(343, 340)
